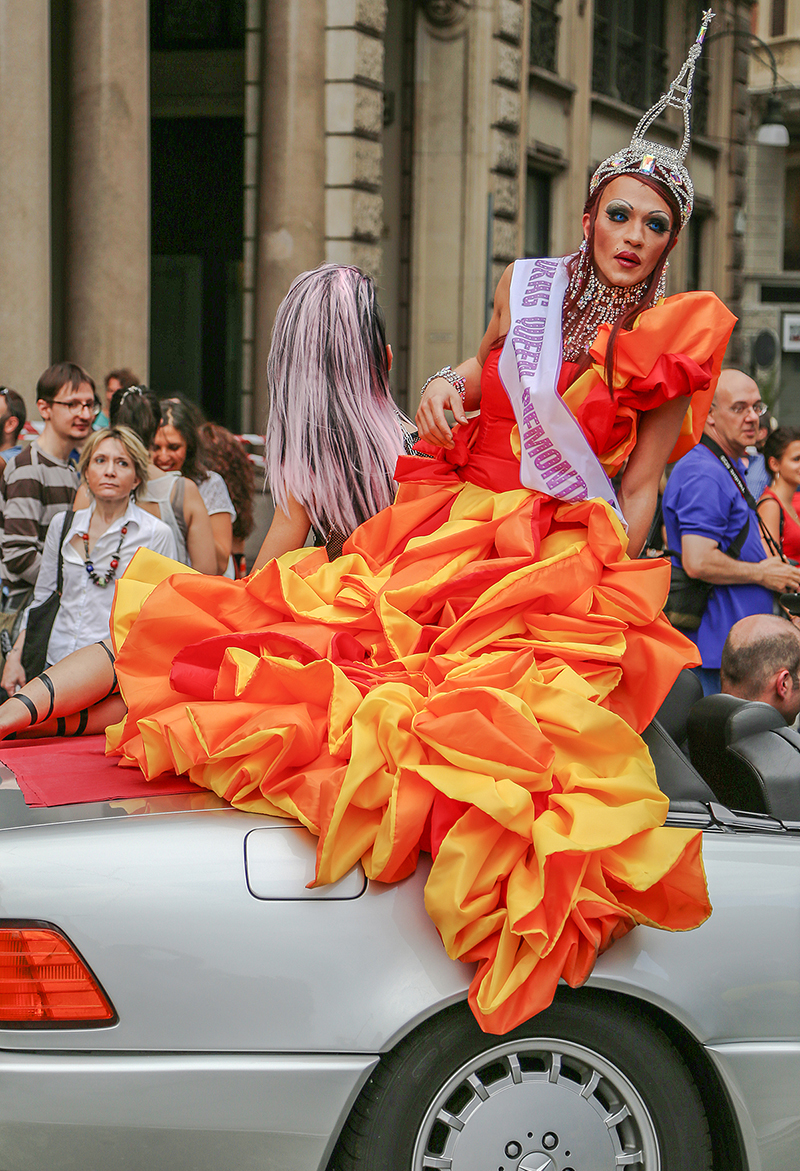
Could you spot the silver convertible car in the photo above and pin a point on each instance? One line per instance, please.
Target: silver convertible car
(173, 997)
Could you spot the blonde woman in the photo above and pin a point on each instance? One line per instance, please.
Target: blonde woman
(99, 543)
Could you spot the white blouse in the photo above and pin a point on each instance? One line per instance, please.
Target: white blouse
(85, 611)
(215, 495)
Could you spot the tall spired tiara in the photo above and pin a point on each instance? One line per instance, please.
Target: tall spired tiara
(653, 158)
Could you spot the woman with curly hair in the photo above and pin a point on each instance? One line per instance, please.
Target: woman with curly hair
(175, 498)
(177, 448)
(223, 453)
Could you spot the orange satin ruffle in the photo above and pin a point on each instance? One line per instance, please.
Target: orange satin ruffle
(438, 692)
(697, 326)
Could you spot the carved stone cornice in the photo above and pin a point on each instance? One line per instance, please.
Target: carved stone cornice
(444, 13)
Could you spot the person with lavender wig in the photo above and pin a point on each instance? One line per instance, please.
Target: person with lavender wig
(333, 436)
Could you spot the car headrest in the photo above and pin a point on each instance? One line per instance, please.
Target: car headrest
(773, 760)
(674, 711)
(717, 721)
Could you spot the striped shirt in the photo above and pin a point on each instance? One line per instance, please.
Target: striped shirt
(35, 486)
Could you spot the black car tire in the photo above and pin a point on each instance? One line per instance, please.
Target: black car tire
(583, 1086)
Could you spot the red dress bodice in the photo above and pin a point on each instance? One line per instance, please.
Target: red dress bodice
(483, 451)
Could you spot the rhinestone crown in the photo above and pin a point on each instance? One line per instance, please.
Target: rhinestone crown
(665, 163)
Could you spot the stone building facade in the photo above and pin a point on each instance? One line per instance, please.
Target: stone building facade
(771, 308)
(171, 165)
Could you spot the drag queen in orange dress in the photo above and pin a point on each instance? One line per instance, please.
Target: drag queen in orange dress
(470, 677)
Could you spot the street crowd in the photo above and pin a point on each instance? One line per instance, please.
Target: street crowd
(88, 487)
(730, 527)
(82, 492)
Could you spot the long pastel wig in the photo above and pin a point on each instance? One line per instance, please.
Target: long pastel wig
(333, 436)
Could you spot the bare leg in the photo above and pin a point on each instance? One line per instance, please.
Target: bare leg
(80, 681)
(86, 722)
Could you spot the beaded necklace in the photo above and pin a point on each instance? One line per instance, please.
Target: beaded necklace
(597, 305)
(90, 569)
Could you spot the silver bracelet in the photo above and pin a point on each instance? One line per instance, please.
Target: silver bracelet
(449, 375)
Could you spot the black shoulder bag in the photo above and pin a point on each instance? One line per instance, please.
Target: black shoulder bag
(42, 617)
(688, 596)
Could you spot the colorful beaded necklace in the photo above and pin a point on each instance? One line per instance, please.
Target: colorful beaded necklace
(90, 569)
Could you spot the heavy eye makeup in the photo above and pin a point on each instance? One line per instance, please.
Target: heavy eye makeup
(618, 212)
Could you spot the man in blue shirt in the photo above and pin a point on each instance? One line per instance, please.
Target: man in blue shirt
(704, 512)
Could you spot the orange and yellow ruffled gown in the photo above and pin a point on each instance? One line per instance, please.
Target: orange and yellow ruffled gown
(469, 679)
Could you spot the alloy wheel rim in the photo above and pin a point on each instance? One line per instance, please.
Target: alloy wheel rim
(538, 1104)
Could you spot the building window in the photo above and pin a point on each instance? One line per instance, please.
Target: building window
(701, 86)
(696, 234)
(777, 21)
(791, 230)
(537, 213)
(629, 55)
(701, 92)
(544, 34)
(197, 24)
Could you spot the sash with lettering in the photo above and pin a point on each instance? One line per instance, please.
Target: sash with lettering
(556, 456)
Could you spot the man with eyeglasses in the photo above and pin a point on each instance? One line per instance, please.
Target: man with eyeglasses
(707, 514)
(42, 480)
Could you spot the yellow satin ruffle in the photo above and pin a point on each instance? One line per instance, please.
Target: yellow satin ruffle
(454, 697)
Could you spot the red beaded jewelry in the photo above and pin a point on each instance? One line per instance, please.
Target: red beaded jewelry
(114, 563)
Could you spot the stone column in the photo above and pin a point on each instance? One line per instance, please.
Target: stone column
(291, 204)
(574, 187)
(24, 193)
(108, 208)
(253, 88)
(354, 125)
(509, 161)
(456, 148)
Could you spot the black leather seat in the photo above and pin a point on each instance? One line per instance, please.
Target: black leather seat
(773, 759)
(726, 745)
(665, 738)
(673, 715)
(686, 789)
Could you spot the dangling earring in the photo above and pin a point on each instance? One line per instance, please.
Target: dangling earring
(661, 288)
(583, 272)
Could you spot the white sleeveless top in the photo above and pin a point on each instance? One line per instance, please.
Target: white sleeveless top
(167, 492)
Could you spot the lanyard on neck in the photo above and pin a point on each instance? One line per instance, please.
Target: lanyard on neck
(749, 499)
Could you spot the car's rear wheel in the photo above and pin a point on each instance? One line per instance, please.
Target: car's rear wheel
(584, 1086)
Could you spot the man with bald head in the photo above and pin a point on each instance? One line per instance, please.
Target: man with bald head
(761, 660)
(711, 523)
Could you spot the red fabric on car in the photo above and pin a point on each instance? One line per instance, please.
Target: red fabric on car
(55, 771)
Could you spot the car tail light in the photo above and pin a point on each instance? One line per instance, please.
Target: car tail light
(44, 981)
